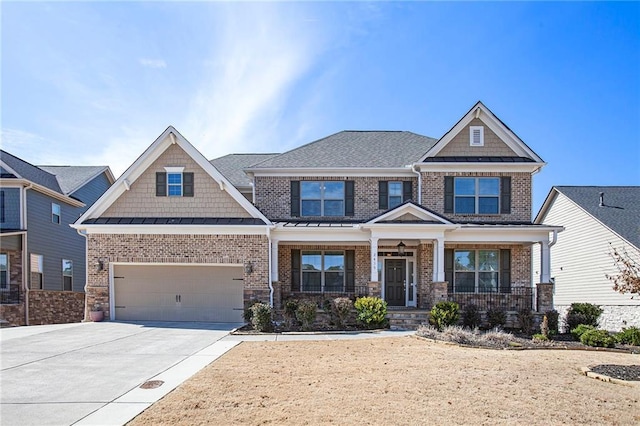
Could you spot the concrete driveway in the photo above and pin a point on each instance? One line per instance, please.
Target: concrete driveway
(91, 373)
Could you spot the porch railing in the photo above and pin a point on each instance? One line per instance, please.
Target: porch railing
(517, 299)
(11, 297)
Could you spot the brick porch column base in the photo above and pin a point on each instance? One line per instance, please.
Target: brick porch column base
(373, 289)
(544, 297)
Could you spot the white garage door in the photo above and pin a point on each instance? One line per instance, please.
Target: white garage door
(178, 293)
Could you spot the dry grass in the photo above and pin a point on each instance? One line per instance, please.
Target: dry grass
(397, 381)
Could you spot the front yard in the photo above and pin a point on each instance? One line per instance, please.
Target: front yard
(404, 380)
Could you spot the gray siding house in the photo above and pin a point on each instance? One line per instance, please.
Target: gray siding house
(42, 259)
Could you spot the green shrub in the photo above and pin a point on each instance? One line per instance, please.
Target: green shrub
(289, 313)
(600, 338)
(525, 318)
(497, 317)
(583, 313)
(552, 320)
(248, 313)
(629, 336)
(444, 314)
(306, 314)
(371, 311)
(342, 306)
(540, 337)
(580, 330)
(261, 317)
(471, 316)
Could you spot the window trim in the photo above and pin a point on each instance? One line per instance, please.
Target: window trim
(322, 271)
(477, 196)
(175, 171)
(480, 141)
(54, 214)
(7, 273)
(33, 256)
(322, 198)
(64, 275)
(477, 271)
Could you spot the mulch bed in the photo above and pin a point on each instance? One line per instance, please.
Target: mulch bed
(622, 372)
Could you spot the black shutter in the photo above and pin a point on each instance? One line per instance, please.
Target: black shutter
(2, 207)
(295, 198)
(448, 268)
(448, 194)
(295, 270)
(383, 195)
(505, 195)
(187, 184)
(407, 191)
(349, 195)
(350, 269)
(505, 271)
(161, 184)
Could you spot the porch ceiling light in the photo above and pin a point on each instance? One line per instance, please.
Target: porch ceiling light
(401, 247)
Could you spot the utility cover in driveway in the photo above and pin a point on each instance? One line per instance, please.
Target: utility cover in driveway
(178, 293)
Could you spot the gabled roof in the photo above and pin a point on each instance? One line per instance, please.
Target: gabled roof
(23, 170)
(620, 211)
(72, 178)
(479, 110)
(354, 149)
(169, 137)
(232, 167)
(421, 214)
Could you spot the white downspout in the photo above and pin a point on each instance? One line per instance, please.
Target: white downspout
(554, 239)
(417, 172)
(270, 275)
(86, 269)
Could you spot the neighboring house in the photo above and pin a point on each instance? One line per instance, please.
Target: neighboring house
(596, 219)
(42, 259)
(405, 217)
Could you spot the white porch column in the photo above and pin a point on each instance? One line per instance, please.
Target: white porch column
(438, 260)
(374, 258)
(545, 263)
(274, 260)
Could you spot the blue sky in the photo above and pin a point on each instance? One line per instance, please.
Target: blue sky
(97, 82)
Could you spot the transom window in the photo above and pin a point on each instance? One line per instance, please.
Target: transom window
(174, 184)
(395, 194)
(323, 271)
(67, 275)
(55, 213)
(37, 270)
(477, 195)
(476, 271)
(4, 271)
(322, 198)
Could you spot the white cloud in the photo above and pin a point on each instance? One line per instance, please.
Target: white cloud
(152, 63)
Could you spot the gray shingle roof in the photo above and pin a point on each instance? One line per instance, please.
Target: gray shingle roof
(31, 172)
(387, 149)
(231, 166)
(621, 210)
(71, 178)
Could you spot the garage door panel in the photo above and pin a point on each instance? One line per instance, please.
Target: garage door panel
(178, 293)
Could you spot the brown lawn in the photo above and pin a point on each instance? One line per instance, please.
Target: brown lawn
(402, 380)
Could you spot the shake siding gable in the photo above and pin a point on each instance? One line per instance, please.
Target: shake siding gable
(580, 258)
(460, 144)
(208, 199)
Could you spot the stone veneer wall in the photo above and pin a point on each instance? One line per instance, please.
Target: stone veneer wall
(614, 317)
(433, 196)
(161, 248)
(55, 307)
(273, 195)
(12, 315)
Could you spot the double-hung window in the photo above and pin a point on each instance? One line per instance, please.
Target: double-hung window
(477, 195)
(476, 271)
(4, 272)
(67, 275)
(322, 198)
(395, 194)
(323, 271)
(174, 184)
(55, 213)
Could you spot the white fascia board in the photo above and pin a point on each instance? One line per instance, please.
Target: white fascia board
(333, 172)
(20, 183)
(319, 234)
(410, 209)
(546, 205)
(175, 229)
(6, 167)
(502, 234)
(11, 234)
(480, 167)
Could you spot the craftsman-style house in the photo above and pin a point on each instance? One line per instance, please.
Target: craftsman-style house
(393, 214)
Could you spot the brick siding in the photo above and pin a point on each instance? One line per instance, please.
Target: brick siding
(160, 248)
